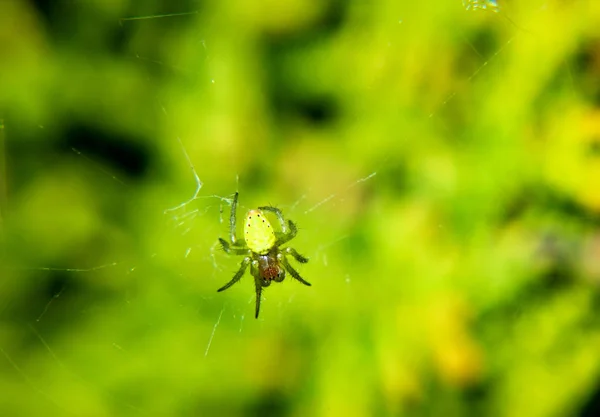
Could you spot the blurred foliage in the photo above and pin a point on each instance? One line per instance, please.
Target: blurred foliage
(443, 164)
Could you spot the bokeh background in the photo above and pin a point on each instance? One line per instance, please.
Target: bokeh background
(442, 163)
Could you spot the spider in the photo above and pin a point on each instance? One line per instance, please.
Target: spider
(262, 249)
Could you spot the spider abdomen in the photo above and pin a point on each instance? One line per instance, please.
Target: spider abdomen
(258, 233)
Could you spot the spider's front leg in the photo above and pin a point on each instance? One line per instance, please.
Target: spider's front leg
(259, 283)
(243, 266)
(296, 255)
(281, 257)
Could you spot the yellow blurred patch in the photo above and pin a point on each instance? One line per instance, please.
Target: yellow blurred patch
(573, 156)
(456, 355)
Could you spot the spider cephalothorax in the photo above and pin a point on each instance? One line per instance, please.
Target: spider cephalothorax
(262, 249)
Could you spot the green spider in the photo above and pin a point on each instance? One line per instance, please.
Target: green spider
(261, 247)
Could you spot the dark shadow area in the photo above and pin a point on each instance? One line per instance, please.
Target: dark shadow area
(125, 154)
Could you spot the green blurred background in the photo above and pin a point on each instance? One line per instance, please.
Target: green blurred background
(443, 166)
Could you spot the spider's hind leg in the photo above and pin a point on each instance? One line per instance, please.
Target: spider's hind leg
(288, 235)
(233, 249)
(232, 219)
(279, 215)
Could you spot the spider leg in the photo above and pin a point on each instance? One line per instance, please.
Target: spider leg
(279, 215)
(243, 266)
(232, 219)
(287, 236)
(258, 283)
(291, 270)
(296, 255)
(233, 249)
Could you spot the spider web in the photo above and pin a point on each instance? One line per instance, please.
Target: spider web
(199, 247)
